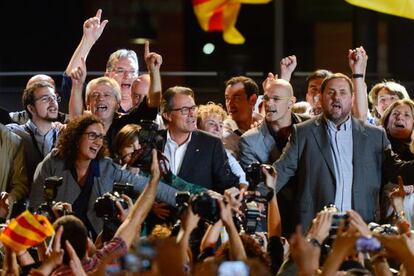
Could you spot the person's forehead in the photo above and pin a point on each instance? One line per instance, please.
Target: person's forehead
(315, 82)
(277, 90)
(236, 89)
(96, 127)
(180, 100)
(338, 83)
(102, 88)
(213, 117)
(125, 63)
(386, 92)
(44, 91)
(402, 107)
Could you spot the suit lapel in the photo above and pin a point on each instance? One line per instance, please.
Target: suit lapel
(359, 140)
(269, 142)
(322, 140)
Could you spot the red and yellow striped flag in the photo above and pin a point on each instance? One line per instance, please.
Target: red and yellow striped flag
(26, 230)
(403, 8)
(221, 15)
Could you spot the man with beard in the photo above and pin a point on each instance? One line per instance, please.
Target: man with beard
(40, 132)
(21, 117)
(265, 143)
(337, 158)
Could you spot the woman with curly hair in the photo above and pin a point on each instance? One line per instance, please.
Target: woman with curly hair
(80, 158)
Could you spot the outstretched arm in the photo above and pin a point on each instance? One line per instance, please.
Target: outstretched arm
(153, 61)
(358, 63)
(78, 76)
(92, 30)
(131, 227)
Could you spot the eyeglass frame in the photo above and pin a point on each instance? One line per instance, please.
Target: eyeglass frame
(49, 98)
(276, 98)
(92, 136)
(185, 110)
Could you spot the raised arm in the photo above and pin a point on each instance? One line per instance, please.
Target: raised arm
(78, 76)
(92, 30)
(153, 61)
(287, 66)
(131, 227)
(358, 63)
(274, 222)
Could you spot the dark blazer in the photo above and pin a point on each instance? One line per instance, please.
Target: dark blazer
(205, 163)
(308, 156)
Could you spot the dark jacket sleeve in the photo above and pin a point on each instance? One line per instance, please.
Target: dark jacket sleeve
(224, 178)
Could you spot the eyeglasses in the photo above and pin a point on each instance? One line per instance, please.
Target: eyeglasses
(49, 98)
(93, 136)
(276, 98)
(185, 110)
(121, 71)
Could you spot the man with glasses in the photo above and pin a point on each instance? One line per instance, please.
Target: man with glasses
(194, 155)
(21, 117)
(122, 66)
(40, 133)
(265, 143)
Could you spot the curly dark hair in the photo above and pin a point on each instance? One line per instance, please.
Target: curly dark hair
(69, 139)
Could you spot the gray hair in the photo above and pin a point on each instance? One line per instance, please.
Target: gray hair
(116, 89)
(121, 53)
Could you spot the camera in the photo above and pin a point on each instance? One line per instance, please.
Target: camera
(123, 188)
(49, 193)
(105, 206)
(201, 204)
(50, 187)
(256, 179)
(250, 221)
(337, 218)
(206, 207)
(384, 229)
(149, 138)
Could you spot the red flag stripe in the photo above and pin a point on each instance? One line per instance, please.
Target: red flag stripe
(199, 2)
(20, 239)
(25, 224)
(216, 20)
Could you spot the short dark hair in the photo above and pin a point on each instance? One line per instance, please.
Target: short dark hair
(250, 86)
(71, 135)
(169, 94)
(28, 94)
(318, 74)
(337, 76)
(75, 232)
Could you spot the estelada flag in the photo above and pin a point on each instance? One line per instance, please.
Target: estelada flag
(403, 8)
(221, 15)
(26, 230)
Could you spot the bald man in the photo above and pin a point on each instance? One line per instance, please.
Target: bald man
(264, 143)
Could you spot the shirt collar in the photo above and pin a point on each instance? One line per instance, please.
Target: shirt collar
(345, 126)
(170, 140)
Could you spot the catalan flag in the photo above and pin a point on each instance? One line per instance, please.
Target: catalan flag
(403, 8)
(221, 15)
(26, 230)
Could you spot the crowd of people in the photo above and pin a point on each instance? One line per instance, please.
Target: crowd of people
(137, 179)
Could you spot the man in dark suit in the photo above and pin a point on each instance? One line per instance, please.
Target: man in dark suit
(336, 158)
(196, 156)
